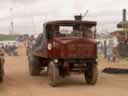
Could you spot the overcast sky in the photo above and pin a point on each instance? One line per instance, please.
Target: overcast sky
(28, 15)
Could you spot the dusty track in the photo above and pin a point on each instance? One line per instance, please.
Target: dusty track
(18, 82)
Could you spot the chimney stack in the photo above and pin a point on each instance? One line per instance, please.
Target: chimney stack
(78, 17)
(124, 15)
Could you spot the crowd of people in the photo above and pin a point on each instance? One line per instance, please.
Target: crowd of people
(109, 50)
(10, 49)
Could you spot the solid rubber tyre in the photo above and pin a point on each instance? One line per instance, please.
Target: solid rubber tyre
(91, 74)
(53, 74)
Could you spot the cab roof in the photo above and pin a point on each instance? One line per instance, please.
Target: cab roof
(71, 22)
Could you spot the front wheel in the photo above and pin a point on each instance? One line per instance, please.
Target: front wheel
(91, 74)
(53, 74)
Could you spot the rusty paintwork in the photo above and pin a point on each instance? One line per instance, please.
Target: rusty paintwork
(73, 48)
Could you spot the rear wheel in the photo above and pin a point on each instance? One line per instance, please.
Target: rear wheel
(34, 66)
(91, 74)
(53, 74)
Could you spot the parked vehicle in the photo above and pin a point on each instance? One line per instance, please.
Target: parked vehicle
(64, 47)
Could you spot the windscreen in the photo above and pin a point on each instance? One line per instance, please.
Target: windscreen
(66, 29)
(74, 31)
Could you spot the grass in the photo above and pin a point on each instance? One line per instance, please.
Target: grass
(7, 37)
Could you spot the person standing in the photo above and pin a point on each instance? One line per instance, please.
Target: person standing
(109, 53)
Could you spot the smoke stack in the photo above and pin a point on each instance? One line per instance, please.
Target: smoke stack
(124, 15)
(78, 17)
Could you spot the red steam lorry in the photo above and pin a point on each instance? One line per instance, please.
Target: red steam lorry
(65, 47)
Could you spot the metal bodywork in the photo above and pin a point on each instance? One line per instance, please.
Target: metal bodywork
(66, 47)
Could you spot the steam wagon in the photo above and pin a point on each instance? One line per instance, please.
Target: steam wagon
(65, 47)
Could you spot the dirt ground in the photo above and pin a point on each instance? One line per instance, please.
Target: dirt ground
(18, 82)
